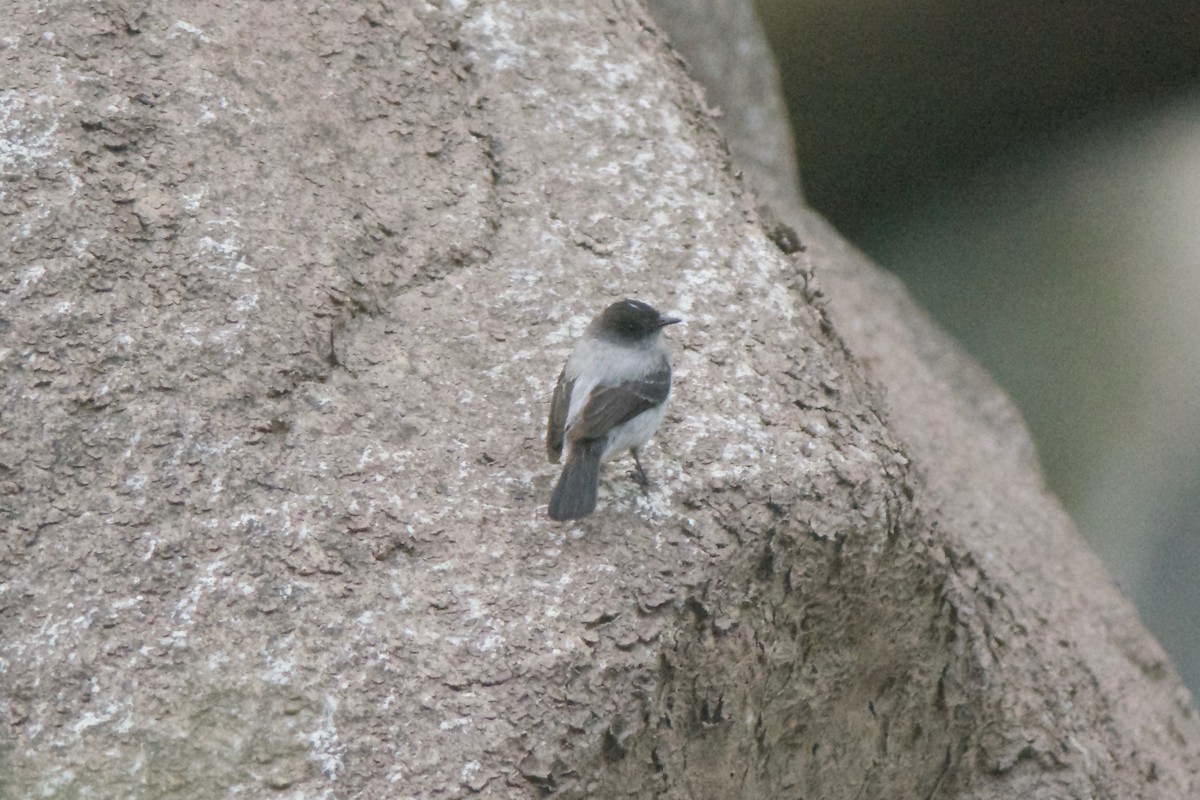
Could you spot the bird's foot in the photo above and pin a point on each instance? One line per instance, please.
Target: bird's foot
(640, 476)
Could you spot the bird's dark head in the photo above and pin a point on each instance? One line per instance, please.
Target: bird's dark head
(630, 321)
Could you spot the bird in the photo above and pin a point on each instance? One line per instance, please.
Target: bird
(610, 397)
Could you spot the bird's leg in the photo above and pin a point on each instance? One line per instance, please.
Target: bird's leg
(641, 478)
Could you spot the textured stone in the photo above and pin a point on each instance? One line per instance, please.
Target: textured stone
(285, 290)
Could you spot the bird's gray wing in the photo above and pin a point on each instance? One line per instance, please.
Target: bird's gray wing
(556, 425)
(609, 406)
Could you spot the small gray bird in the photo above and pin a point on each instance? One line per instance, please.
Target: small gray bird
(611, 397)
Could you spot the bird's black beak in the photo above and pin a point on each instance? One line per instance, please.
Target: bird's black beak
(665, 321)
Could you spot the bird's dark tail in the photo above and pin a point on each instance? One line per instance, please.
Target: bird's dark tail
(575, 494)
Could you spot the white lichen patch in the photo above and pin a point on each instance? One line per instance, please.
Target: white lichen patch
(280, 661)
(181, 27)
(323, 742)
(28, 132)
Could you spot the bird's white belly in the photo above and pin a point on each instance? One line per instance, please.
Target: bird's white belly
(634, 433)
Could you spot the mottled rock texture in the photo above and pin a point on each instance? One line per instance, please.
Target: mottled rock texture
(284, 288)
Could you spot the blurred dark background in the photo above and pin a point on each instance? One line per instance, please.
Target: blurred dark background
(1032, 171)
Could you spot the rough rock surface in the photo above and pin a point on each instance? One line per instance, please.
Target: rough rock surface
(284, 290)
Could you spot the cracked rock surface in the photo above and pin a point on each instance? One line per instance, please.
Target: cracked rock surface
(285, 289)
